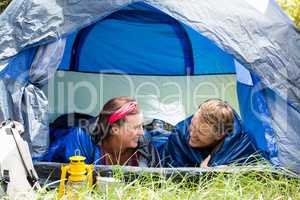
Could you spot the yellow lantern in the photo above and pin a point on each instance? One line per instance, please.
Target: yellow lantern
(75, 176)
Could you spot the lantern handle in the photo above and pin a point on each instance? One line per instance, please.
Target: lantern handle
(77, 152)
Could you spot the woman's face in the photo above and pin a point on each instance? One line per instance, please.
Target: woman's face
(128, 134)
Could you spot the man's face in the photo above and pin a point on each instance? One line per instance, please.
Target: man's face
(202, 134)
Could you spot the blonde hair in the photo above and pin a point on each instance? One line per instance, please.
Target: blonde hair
(218, 114)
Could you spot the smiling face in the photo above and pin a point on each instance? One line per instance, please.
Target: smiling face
(128, 134)
(210, 124)
(202, 134)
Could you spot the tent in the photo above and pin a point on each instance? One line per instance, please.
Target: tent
(71, 56)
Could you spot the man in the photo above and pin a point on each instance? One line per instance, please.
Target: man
(212, 136)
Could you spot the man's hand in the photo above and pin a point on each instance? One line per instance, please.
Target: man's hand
(205, 161)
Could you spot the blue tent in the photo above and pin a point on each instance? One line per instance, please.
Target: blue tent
(112, 46)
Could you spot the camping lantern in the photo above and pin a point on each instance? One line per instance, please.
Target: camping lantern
(75, 177)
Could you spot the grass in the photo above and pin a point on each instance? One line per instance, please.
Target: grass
(292, 9)
(237, 185)
(3, 4)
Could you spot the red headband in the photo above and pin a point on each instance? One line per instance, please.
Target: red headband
(122, 112)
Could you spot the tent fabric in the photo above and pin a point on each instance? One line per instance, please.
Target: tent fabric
(34, 104)
(6, 102)
(257, 114)
(164, 59)
(271, 121)
(181, 50)
(285, 122)
(24, 77)
(255, 37)
(245, 33)
(12, 82)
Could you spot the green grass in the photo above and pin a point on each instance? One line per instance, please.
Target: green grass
(292, 9)
(3, 4)
(236, 185)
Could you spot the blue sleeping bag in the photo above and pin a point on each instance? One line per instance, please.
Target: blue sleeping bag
(170, 148)
(236, 148)
(66, 141)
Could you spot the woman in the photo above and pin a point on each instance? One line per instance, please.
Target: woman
(117, 138)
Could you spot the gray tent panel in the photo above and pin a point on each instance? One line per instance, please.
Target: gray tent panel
(256, 39)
